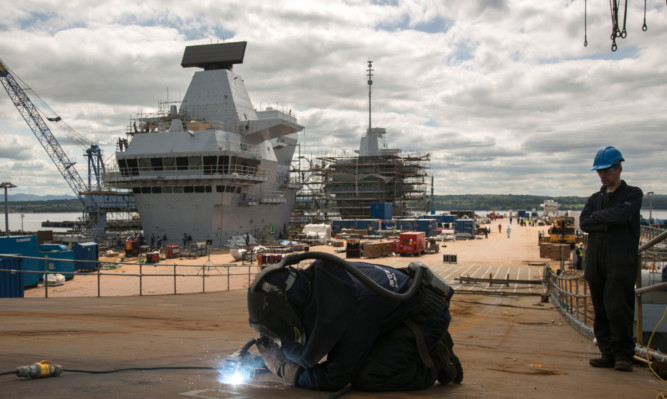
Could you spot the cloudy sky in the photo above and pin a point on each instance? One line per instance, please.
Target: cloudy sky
(502, 93)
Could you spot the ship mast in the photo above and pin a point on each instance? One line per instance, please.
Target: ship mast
(370, 90)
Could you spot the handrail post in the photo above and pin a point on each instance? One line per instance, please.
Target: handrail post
(638, 302)
(141, 279)
(203, 279)
(99, 275)
(46, 276)
(174, 278)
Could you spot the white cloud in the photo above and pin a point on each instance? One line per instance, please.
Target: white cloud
(502, 93)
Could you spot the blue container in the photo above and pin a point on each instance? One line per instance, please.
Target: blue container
(24, 246)
(381, 210)
(52, 247)
(11, 284)
(87, 251)
(58, 262)
(428, 226)
(465, 226)
(521, 214)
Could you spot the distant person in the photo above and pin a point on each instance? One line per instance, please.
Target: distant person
(486, 232)
(611, 219)
(500, 228)
(578, 253)
(509, 230)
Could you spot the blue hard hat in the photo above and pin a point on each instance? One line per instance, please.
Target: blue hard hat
(606, 158)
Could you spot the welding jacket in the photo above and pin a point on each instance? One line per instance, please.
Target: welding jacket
(343, 319)
(612, 223)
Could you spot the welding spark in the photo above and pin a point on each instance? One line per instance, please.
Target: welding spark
(231, 373)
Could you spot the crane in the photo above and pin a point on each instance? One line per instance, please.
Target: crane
(97, 202)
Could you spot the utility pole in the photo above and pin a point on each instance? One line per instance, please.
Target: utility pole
(6, 185)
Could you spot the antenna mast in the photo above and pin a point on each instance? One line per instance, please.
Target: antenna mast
(370, 90)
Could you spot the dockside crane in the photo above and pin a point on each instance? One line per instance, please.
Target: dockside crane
(96, 200)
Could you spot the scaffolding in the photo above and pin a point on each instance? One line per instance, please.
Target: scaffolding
(345, 187)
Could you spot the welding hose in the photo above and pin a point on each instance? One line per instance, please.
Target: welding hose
(358, 274)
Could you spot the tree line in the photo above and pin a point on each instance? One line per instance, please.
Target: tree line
(475, 202)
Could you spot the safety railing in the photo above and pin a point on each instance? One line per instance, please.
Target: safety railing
(137, 278)
(570, 293)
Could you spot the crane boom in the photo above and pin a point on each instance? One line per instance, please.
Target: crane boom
(96, 201)
(44, 135)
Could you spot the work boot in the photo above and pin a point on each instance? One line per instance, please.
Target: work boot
(603, 362)
(623, 365)
(447, 364)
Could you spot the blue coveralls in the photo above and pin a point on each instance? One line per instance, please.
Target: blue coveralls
(361, 333)
(612, 222)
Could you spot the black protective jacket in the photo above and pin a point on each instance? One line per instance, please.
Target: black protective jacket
(343, 320)
(612, 222)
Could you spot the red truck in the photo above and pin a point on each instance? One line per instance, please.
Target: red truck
(412, 242)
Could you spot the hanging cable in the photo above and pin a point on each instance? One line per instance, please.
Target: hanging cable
(586, 22)
(644, 27)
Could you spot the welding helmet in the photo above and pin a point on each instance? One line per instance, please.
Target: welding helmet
(271, 312)
(606, 158)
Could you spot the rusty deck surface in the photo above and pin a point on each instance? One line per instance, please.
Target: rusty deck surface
(510, 347)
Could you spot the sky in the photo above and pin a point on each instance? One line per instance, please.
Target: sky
(502, 94)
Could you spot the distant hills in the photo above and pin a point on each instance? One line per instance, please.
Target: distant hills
(475, 202)
(33, 197)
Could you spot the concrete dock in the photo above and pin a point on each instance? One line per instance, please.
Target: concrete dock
(510, 344)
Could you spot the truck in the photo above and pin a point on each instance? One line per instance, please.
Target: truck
(562, 231)
(412, 243)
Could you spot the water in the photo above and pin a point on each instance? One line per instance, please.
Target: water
(33, 221)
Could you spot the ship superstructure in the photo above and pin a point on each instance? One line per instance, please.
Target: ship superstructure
(213, 167)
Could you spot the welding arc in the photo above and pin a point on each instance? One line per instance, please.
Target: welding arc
(363, 278)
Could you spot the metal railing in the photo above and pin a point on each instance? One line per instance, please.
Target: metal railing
(570, 293)
(223, 277)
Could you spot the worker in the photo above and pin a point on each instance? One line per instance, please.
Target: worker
(370, 341)
(611, 219)
(579, 253)
(509, 230)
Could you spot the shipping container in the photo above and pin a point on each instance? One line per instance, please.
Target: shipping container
(86, 255)
(61, 262)
(11, 283)
(381, 210)
(52, 247)
(24, 246)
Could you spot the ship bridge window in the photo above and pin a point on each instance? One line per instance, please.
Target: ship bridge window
(145, 190)
(177, 189)
(210, 164)
(169, 163)
(182, 163)
(188, 189)
(122, 167)
(166, 190)
(156, 190)
(144, 164)
(195, 163)
(156, 164)
(132, 166)
(200, 189)
(136, 190)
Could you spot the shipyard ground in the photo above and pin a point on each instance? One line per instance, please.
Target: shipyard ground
(510, 347)
(510, 344)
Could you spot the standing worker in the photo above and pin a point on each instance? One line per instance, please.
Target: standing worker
(509, 230)
(611, 218)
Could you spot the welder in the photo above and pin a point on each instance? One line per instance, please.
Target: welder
(372, 326)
